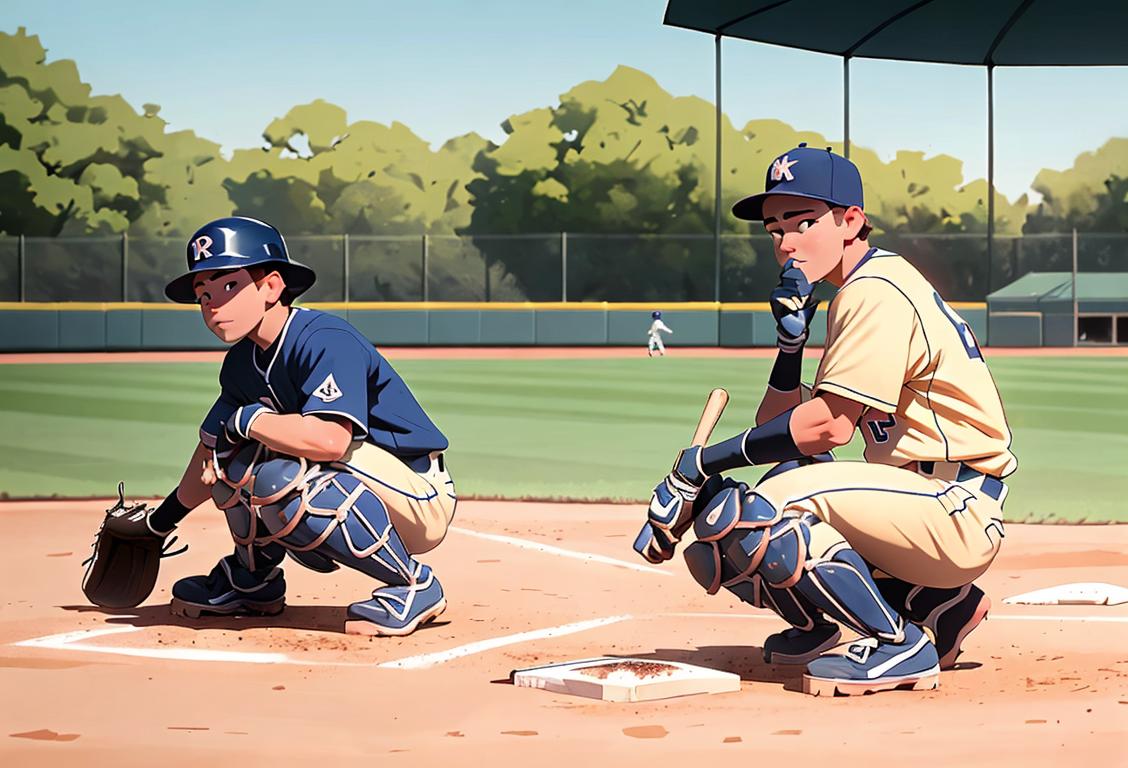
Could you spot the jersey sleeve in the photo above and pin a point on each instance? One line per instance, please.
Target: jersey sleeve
(221, 410)
(865, 358)
(335, 381)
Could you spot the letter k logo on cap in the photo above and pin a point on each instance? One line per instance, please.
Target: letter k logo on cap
(781, 169)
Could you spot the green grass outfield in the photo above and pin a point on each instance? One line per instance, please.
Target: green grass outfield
(568, 429)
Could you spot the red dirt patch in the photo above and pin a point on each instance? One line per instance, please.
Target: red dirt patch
(1024, 663)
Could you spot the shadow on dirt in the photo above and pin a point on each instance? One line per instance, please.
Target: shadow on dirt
(318, 618)
(744, 660)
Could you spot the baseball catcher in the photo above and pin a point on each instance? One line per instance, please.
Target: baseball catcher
(315, 448)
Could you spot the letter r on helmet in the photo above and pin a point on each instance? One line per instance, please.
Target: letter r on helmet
(200, 247)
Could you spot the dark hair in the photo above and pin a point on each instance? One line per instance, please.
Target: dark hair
(259, 271)
(866, 229)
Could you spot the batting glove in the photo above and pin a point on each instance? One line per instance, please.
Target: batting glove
(671, 505)
(793, 306)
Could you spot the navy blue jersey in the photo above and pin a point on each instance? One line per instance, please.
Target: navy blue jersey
(321, 364)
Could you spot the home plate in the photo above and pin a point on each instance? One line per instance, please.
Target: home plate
(624, 679)
(1081, 593)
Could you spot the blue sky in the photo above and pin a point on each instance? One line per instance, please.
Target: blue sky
(444, 68)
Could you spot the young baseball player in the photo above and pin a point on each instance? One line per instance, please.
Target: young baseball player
(923, 512)
(315, 446)
(654, 335)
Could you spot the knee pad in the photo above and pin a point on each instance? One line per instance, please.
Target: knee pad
(785, 553)
(732, 537)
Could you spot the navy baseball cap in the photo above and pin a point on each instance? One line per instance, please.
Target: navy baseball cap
(238, 242)
(818, 174)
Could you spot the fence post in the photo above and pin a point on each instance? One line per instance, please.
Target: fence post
(486, 261)
(22, 263)
(124, 267)
(345, 270)
(426, 247)
(1076, 320)
(563, 266)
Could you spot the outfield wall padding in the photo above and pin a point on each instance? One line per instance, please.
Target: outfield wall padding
(134, 326)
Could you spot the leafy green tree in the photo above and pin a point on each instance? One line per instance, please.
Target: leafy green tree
(72, 162)
(1091, 196)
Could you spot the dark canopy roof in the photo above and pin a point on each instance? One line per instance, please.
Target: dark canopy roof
(1001, 32)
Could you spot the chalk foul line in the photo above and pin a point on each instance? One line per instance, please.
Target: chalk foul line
(441, 657)
(560, 551)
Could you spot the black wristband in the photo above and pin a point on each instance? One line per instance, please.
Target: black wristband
(168, 514)
(787, 370)
(766, 444)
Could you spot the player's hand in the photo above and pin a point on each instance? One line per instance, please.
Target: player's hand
(210, 472)
(793, 306)
(671, 505)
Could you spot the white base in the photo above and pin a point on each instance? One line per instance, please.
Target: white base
(665, 679)
(1081, 593)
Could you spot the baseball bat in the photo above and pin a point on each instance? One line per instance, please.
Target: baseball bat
(714, 407)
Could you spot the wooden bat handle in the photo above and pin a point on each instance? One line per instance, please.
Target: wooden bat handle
(714, 407)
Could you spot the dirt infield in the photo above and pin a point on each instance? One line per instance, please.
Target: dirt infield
(520, 353)
(527, 584)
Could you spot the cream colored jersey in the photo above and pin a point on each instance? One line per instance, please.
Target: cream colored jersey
(895, 346)
(656, 330)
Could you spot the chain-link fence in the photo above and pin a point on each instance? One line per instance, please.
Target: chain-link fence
(543, 268)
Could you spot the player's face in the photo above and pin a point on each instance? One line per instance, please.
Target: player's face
(231, 302)
(808, 231)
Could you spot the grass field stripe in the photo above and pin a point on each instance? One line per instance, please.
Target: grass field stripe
(425, 660)
(551, 550)
(72, 641)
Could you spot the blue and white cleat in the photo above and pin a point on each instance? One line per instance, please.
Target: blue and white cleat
(870, 665)
(398, 611)
(230, 590)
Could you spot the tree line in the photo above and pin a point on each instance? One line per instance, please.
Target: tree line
(614, 156)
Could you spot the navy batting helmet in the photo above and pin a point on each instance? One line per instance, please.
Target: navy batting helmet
(656, 314)
(238, 242)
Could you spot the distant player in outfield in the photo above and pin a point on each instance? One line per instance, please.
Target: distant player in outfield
(887, 546)
(314, 448)
(654, 335)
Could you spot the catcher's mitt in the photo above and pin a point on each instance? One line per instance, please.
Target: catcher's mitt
(127, 553)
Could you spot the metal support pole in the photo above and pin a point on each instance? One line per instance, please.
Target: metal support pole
(846, 106)
(990, 181)
(22, 262)
(426, 248)
(717, 183)
(563, 266)
(345, 268)
(1076, 319)
(486, 261)
(124, 267)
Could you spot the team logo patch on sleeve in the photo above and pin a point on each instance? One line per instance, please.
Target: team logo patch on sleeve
(327, 391)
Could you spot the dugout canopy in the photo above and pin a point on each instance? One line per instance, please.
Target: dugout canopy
(990, 33)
